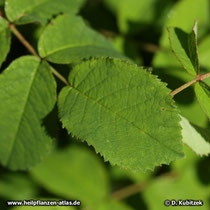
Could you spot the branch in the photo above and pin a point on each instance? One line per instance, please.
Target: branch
(23, 40)
(128, 191)
(33, 51)
(198, 78)
(58, 75)
(138, 187)
(149, 47)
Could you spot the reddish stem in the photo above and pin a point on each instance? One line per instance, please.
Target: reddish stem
(197, 79)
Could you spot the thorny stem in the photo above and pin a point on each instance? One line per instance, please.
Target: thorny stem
(33, 51)
(197, 79)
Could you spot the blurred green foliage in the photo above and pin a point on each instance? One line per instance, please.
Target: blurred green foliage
(73, 171)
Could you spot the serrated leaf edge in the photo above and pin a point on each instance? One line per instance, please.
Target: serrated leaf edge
(155, 77)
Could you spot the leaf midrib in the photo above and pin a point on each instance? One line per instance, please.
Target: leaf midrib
(76, 46)
(114, 113)
(21, 115)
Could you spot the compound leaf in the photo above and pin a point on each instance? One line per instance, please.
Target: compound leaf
(26, 11)
(27, 95)
(74, 173)
(184, 46)
(202, 91)
(193, 138)
(69, 40)
(167, 67)
(127, 115)
(5, 39)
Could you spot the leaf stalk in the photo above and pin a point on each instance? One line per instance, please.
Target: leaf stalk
(23, 40)
(197, 79)
(33, 51)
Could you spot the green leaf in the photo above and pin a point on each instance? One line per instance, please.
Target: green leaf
(128, 48)
(69, 40)
(184, 172)
(112, 5)
(74, 173)
(27, 95)
(1, 3)
(183, 186)
(194, 139)
(184, 46)
(121, 173)
(5, 39)
(167, 67)
(127, 115)
(202, 91)
(15, 186)
(26, 11)
(135, 11)
(135, 15)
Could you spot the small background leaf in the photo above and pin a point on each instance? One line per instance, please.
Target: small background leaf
(178, 17)
(184, 47)
(134, 16)
(26, 11)
(69, 40)
(16, 186)
(171, 188)
(133, 11)
(184, 172)
(74, 173)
